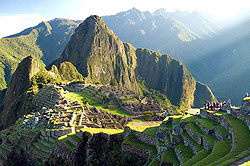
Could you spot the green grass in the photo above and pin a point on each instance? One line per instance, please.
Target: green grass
(220, 149)
(195, 128)
(75, 138)
(241, 138)
(42, 146)
(32, 147)
(77, 96)
(168, 138)
(169, 156)
(177, 119)
(140, 144)
(210, 139)
(155, 162)
(198, 146)
(69, 144)
(149, 129)
(190, 118)
(186, 151)
(208, 123)
(222, 131)
(196, 158)
(116, 111)
(139, 120)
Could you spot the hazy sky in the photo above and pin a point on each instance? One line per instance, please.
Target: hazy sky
(16, 15)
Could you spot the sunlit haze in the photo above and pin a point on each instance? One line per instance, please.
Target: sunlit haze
(16, 15)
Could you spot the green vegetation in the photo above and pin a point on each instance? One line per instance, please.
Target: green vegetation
(169, 156)
(186, 151)
(211, 139)
(40, 41)
(220, 149)
(196, 158)
(140, 144)
(79, 96)
(148, 128)
(195, 128)
(241, 139)
(198, 146)
(155, 162)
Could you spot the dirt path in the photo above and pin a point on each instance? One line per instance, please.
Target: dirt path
(145, 123)
(194, 111)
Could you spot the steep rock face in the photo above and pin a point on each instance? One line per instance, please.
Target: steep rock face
(202, 93)
(20, 82)
(99, 55)
(169, 76)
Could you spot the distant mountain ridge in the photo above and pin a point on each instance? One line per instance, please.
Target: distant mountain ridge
(182, 35)
(44, 41)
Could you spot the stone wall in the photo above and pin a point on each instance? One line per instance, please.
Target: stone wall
(243, 117)
(206, 145)
(189, 143)
(141, 152)
(225, 124)
(207, 115)
(193, 135)
(204, 129)
(56, 133)
(218, 135)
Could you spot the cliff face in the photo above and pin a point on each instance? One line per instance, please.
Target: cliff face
(99, 55)
(202, 93)
(165, 74)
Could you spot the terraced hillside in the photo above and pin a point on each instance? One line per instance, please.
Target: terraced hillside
(211, 138)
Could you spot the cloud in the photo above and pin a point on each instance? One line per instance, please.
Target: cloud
(11, 24)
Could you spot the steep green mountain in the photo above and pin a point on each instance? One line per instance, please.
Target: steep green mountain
(19, 83)
(99, 55)
(46, 41)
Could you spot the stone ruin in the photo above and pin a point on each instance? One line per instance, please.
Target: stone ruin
(92, 117)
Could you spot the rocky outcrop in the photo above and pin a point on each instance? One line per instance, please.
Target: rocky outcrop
(20, 82)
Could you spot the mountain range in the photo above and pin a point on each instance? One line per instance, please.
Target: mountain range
(95, 54)
(214, 55)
